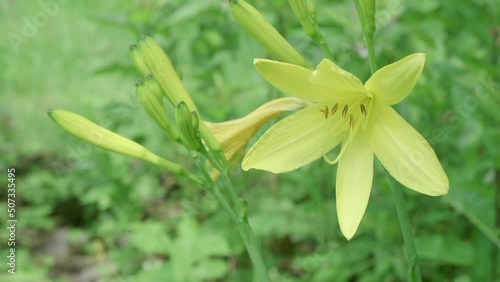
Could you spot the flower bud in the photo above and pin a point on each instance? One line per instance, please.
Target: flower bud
(188, 124)
(138, 61)
(259, 28)
(162, 70)
(149, 95)
(91, 133)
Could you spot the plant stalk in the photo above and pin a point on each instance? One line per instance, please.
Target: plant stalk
(414, 274)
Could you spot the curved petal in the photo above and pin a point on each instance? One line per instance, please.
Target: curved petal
(235, 134)
(354, 183)
(290, 79)
(338, 83)
(394, 82)
(293, 142)
(405, 153)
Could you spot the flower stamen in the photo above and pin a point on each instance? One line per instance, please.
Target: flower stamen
(344, 111)
(363, 109)
(334, 109)
(325, 111)
(351, 121)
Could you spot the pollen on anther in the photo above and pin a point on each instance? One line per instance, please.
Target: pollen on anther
(325, 111)
(334, 109)
(344, 111)
(351, 121)
(363, 109)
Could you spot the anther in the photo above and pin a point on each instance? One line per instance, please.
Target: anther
(325, 111)
(334, 109)
(351, 121)
(344, 111)
(363, 109)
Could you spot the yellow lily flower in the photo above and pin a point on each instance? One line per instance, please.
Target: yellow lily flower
(356, 115)
(235, 134)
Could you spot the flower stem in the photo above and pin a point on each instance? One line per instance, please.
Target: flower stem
(367, 35)
(245, 232)
(404, 222)
(414, 275)
(234, 210)
(371, 52)
(320, 40)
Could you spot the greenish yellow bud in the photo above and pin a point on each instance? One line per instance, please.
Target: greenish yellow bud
(162, 70)
(91, 133)
(138, 61)
(149, 95)
(258, 27)
(188, 124)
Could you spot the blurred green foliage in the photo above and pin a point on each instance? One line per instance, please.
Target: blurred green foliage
(87, 214)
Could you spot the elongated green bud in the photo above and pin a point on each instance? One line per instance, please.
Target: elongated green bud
(188, 125)
(301, 10)
(91, 133)
(259, 28)
(149, 95)
(162, 70)
(138, 61)
(368, 7)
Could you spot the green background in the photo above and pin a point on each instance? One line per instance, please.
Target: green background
(87, 214)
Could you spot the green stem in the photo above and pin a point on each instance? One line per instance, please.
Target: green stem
(367, 36)
(234, 211)
(399, 201)
(232, 192)
(359, 11)
(318, 38)
(247, 236)
(371, 52)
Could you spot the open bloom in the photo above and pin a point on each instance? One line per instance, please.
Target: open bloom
(356, 115)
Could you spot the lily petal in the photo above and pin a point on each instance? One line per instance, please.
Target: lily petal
(405, 153)
(235, 134)
(290, 79)
(354, 182)
(392, 83)
(293, 142)
(338, 83)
